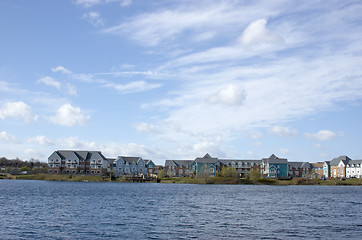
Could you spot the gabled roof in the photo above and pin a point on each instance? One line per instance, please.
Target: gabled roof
(82, 155)
(130, 160)
(178, 163)
(355, 162)
(275, 159)
(317, 164)
(335, 161)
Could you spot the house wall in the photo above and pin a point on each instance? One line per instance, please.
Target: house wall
(354, 170)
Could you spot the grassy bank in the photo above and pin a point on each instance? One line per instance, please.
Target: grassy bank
(60, 177)
(208, 180)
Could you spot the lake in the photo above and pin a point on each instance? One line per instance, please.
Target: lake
(88, 210)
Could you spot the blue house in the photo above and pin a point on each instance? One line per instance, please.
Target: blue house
(205, 166)
(129, 166)
(274, 167)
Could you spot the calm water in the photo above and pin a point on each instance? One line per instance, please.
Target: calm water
(72, 210)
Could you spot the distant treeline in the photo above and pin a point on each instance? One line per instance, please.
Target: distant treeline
(17, 163)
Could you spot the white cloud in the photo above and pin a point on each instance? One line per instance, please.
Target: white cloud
(42, 140)
(154, 28)
(67, 115)
(231, 95)
(91, 3)
(61, 69)
(49, 81)
(71, 89)
(75, 143)
(323, 135)
(94, 18)
(19, 110)
(257, 34)
(7, 137)
(283, 131)
(146, 127)
(133, 87)
(125, 3)
(255, 135)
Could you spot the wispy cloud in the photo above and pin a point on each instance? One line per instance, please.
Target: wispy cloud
(283, 131)
(41, 140)
(61, 69)
(133, 87)
(91, 3)
(49, 81)
(324, 135)
(7, 137)
(94, 18)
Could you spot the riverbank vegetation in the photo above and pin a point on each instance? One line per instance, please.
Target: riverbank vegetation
(227, 179)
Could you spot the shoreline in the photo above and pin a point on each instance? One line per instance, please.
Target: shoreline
(208, 180)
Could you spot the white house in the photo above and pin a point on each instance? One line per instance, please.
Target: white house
(354, 169)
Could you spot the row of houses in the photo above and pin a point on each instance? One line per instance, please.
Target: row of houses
(93, 162)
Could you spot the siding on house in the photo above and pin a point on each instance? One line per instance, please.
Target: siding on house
(77, 162)
(129, 166)
(274, 167)
(299, 169)
(178, 168)
(338, 166)
(354, 169)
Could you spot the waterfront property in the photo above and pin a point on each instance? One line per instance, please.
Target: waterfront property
(129, 166)
(274, 167)
(150, 168)
(178, 168)
(299, 169)
(93, 162)
(75, 162)
(318, 169)
(337, 167)
(354, 169)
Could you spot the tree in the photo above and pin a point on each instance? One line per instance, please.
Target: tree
(254, 173)
(229, 172)
(161, 174)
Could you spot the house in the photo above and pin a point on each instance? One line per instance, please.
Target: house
(242, 166)
(178, 168)
(318, 169)
(129, 166)
(299, 169)
(78, 162)
(150, 168)
(327, 169)
(354, 169)
(338, 166)
(274, 167)
(205, 166)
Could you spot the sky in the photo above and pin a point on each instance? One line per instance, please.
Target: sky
(179, 79)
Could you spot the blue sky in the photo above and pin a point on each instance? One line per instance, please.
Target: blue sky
(177, 79)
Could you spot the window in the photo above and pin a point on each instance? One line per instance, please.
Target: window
(141, 170)
(98, 172)
(92, 171)
(133, 169)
